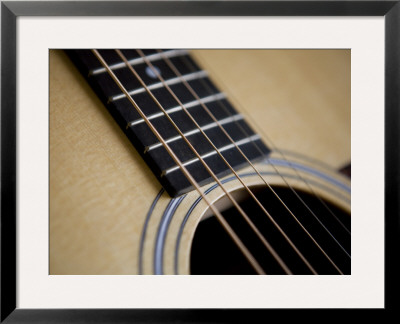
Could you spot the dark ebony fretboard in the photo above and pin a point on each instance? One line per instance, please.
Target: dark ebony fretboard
(155, 155)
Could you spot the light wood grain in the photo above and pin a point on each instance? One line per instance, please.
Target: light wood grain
(101, 190)
(300, 99)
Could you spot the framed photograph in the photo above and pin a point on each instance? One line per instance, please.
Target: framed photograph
(199, 161)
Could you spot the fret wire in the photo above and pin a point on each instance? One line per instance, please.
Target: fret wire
(187, 77)
(292, 189)
(188, 105)
(171, 65)
(283, 178)
(257, 144)
(261, 237)
(196, 130)
(275, 148)
(139, 60)
(213, 152)
(219, 216)
(207, 167)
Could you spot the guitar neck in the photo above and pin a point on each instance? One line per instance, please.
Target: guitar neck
(172, 80)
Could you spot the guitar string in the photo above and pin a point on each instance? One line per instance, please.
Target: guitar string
(254, 168)
(149, 64)
(184, 81)
(280, 152)
(221, 104)
(253, 262)
(298, 174)
(193, 92)
(274, 147)
(233, 171)
(209, 170)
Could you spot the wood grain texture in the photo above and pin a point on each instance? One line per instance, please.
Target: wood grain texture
(300, 99)
(101, 190)
(94, 218)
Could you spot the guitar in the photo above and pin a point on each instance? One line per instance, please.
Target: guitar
(254, 187)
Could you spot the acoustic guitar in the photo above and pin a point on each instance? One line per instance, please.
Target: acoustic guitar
(199, 162)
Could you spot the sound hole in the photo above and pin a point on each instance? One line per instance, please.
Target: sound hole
(214, 253)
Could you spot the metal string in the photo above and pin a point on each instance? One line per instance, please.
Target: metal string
(237, 206)
(219, 216)
(283, 178)
(192, 91)
(227, 163)
(201, 160)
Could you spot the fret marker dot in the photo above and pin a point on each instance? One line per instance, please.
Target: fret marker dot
(151, 73)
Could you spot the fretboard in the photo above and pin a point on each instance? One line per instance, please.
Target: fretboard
(142, 137)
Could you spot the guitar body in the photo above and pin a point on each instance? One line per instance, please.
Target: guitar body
(109, 213)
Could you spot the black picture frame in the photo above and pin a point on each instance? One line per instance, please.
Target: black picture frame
(10, 10)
